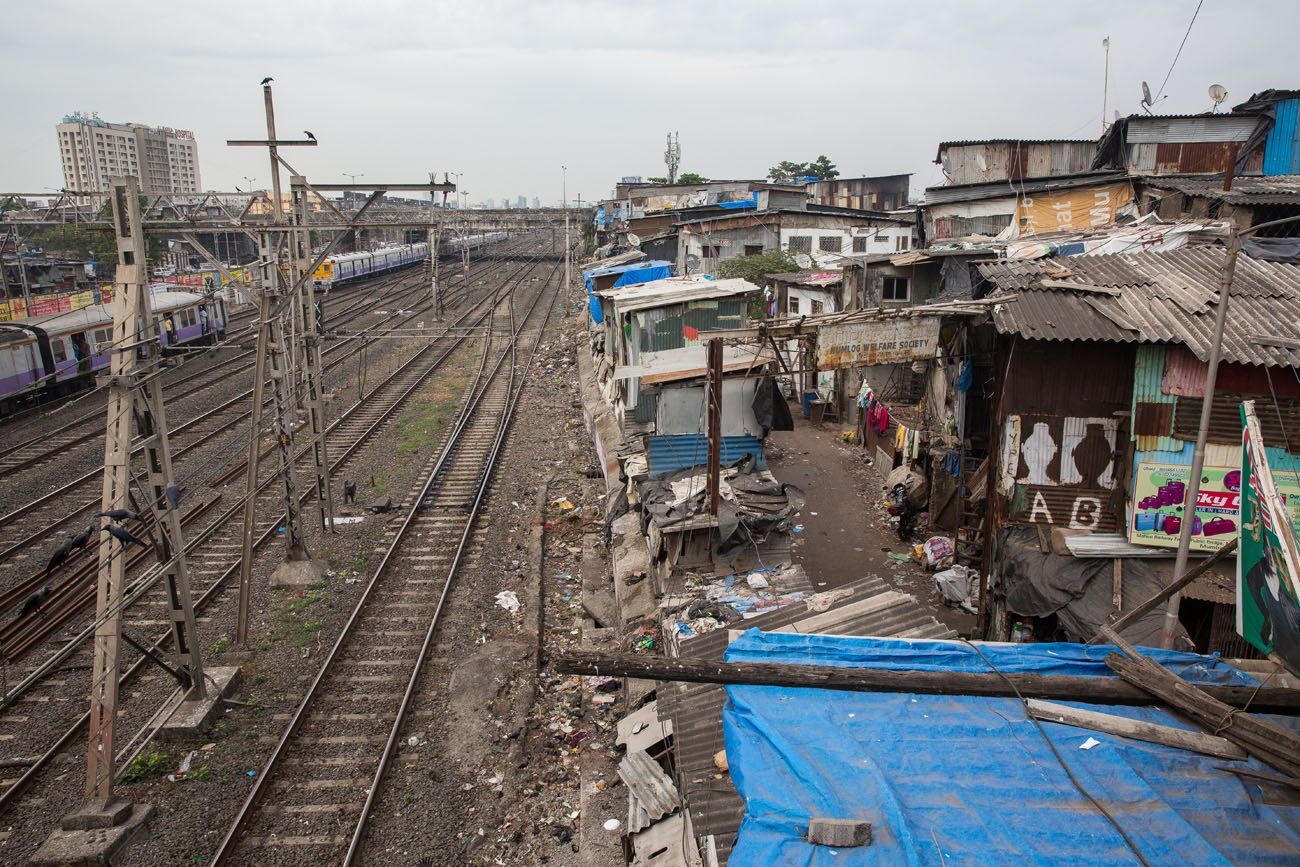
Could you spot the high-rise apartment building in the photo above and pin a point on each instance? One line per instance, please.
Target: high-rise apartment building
(521, 202)
(92, 150)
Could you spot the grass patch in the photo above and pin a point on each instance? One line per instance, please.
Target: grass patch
(298, 619)
(146, 766)
(219, 646)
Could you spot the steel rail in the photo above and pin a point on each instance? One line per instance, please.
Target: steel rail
(474, 399)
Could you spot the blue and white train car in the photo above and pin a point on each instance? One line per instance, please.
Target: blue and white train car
(60, 352)
(350, 266)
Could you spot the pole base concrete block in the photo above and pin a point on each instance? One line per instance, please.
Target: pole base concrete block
(298, 573)
(193, 716)
(840, 833)
(94, 845)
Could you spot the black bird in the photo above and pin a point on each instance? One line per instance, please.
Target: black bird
(349, 491)
(309, 135)
(123, 535)
(36, 600)
(120, 515)
(267, 80)
(238, 190)
(56, 559)
(82, 539)
(173, 494)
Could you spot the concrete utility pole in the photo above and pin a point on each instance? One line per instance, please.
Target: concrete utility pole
(1202, 432)
(311, 352)
(272, 359)
(568, 260)
(134, 392)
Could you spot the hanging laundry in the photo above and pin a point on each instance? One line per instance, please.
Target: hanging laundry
(900, 440)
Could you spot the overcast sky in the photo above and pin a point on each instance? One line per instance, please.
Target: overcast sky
(507, 92)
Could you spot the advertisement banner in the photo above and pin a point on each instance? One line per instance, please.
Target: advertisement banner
(4, 311)
(1268, 562)
(82, 299)
(1072, 210)
(18, 308)
(861, 344)
(1158, 505)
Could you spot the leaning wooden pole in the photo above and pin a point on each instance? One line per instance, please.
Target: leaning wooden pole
(1106, 690)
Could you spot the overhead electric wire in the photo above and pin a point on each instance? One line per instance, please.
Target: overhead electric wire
(1179, 52)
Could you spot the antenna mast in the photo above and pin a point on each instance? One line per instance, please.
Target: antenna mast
(673, 157)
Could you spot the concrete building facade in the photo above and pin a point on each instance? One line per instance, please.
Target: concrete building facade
(92, 150)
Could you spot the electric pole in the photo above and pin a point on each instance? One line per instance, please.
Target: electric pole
(134, 393)
(568, 261)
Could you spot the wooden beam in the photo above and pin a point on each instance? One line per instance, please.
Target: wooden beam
(1155, 601)
(1197, 742)
(1103, 690)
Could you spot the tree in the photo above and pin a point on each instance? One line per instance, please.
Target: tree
(656, 180)
(755, 268)
(821, 168)
(691, 178)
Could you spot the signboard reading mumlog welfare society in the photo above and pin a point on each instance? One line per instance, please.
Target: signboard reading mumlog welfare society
(880, 341)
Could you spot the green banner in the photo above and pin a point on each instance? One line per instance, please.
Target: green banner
(1268, 562)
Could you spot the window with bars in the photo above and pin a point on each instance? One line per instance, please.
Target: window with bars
(903, 242)
(817, 307)
(860, 244)
(793, 306)
(753, 249)
(801, 243)
(830, 243)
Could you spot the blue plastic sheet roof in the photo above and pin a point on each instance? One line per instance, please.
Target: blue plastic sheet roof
(637, 272)
(672, 452)
(971, 777)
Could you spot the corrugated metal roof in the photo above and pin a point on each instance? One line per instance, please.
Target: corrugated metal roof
(674, 290)
(1246, 190)
(652, 792)
(668, 454)
(1144, 129)
(1164, 298)
(1011, 189)
(813, 278)
(1017, 141)
(864, 607)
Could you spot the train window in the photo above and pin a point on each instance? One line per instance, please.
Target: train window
(60, 349)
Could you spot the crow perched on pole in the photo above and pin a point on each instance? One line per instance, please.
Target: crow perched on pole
(267, 80)
(83, 539)
(173, 494)
(120, 515)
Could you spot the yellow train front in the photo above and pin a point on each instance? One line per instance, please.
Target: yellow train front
(350, 266)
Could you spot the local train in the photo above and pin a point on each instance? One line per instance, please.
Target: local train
(57, 353)
(350, 266)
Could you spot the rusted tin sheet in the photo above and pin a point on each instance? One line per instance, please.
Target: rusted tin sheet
(1076, 508)
(859, 344)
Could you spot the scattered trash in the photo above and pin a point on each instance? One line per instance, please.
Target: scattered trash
(797, 529)
(958, 586)
(720, 760)
(938, 552)
(899, 558)
(183, 768)
(756, 581)
(250, 774)
(383, 505)
(1089, 744)
(509, 600)
(612, 824)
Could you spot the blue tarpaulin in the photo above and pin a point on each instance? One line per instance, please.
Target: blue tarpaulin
(629, 275)
(971, 777)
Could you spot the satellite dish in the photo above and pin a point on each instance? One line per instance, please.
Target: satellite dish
(692, 263)
(1117, 115)
(1218, 93)
(803, 260)
(1146, 95)
(634, 239)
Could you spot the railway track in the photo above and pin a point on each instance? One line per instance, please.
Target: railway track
(325, 772)
(214, 530)
(39, 449)
(49, 513)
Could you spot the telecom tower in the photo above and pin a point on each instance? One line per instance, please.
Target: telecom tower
(673, 157)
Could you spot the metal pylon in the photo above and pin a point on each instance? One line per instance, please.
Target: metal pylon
(134, 392)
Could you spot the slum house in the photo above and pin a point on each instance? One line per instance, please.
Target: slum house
(1098, 371)
(799, 294)
(819, 232)
(635, 205)
(963, 779)
(879, 193)
(1243, 201)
